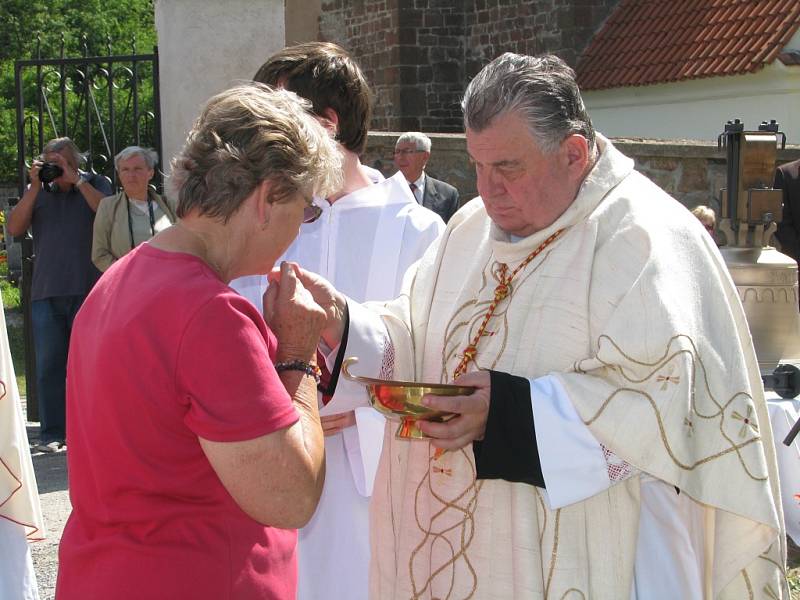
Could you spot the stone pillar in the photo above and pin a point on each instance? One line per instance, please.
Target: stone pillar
(204, 47)
(302, 21)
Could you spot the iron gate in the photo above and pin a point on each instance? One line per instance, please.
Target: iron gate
(104, 103)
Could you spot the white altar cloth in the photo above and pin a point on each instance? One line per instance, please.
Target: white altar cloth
(782, 415)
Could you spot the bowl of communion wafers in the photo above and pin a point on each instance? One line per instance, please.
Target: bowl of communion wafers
(403, 399)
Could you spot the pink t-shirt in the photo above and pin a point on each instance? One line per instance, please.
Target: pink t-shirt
(163, 352)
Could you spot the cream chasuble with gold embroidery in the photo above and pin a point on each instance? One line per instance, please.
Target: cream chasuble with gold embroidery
(632, 312)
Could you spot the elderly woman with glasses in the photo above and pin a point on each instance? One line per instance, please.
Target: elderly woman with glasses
(195, 443)
(135, 214)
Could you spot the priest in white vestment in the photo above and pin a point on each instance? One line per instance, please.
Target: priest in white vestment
(20, 514)
(366, 238)
(617, 445)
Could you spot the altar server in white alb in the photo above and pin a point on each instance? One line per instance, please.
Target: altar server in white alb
(20, 514)
(368, 235)
(617, 446)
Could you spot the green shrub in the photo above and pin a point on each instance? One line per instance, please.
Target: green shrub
(11, 295)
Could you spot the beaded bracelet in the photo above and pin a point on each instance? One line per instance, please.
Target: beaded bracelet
(300, 365)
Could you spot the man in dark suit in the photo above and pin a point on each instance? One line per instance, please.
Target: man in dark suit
(787, 178)
(411, 154)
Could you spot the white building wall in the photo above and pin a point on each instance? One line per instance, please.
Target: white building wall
(206, 46)
(699, 108)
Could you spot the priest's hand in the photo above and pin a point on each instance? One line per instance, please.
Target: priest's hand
(332, 302)
(469, 424)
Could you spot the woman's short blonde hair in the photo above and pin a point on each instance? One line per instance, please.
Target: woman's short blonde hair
(246, 135)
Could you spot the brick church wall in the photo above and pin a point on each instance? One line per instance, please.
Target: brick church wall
(419, 55)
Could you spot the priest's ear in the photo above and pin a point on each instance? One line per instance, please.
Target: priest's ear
(575, 154)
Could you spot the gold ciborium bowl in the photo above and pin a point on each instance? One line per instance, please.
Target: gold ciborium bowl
(403, 400)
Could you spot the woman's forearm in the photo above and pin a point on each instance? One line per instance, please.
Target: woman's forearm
(277, 478)
(303, 390)
(310, 477)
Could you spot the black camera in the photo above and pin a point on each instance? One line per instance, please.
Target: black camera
(50, 171)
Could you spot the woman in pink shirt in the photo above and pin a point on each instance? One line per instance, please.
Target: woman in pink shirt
(195, 448)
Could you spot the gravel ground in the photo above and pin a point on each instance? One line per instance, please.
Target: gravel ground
(51, 477)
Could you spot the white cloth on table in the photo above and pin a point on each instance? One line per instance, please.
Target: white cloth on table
(363, 243)
(633, 311)
(20, 513)
(783, 414)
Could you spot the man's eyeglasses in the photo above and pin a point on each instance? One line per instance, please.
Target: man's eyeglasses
(311, 213)
(406, 152)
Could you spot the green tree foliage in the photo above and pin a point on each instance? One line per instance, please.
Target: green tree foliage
(84, 28)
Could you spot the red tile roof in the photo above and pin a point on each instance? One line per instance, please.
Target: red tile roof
(659, 41)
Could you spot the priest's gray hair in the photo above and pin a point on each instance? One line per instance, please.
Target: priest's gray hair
(249, 134)
(420, 140)
(542, 89)
(149, 155)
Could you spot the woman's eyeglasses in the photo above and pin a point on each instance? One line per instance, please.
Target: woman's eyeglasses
(311, 213)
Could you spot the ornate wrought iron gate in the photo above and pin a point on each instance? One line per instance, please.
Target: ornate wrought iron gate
(104, 103)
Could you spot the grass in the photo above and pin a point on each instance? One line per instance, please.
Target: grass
(10, 294)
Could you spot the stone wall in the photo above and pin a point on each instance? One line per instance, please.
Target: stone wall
(692, 172)
(531, 27)
(419, 54)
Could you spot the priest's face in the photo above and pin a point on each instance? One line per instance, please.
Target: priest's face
(524, 190)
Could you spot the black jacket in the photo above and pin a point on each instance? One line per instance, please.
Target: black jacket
(440, 197)
(787, 178)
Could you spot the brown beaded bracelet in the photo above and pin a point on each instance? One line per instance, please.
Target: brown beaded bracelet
(300, 365)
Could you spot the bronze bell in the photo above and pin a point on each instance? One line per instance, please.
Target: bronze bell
(765, 279)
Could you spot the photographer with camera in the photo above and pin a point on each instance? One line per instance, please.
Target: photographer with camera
(59, 206)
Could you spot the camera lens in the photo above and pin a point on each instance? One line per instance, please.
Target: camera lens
(50, 171)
